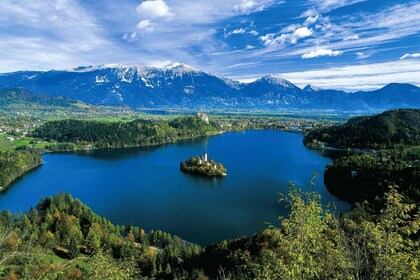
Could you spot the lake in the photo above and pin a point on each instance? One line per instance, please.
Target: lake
(144, 186)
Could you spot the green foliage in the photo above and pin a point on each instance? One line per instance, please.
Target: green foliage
(9, 96)
(209, 168)
(311, 243)
(309, 247)
(15, 163)
(314, 244)
(124, 134)
(102, 266)
(387, 247)
(88, 245)
(379, 131)
(358, 177)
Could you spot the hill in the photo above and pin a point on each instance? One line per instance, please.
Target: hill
(15, 96)
(61, 238)
(180, 86)
(19, 101)
(378, 131)
(141, 132)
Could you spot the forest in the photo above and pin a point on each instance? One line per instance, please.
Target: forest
(139, 132)
(380, 131)
(366, 177)
(15, 163)
(63, 239)
(10, 96)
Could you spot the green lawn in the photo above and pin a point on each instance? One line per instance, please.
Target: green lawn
(5, 144)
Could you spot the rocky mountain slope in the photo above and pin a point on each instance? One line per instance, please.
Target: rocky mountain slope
(182, 86)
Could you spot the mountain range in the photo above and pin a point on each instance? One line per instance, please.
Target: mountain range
(180, 86)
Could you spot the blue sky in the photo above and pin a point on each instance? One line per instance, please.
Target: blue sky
(345, 44)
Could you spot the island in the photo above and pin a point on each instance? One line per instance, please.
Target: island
(202, 165)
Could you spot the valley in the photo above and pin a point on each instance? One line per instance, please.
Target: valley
(210, 140)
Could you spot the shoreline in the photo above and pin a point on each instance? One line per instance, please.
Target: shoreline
(81, 149)
(5, 187)
(88, 147)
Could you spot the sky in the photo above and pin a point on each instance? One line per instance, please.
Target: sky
(341, 44)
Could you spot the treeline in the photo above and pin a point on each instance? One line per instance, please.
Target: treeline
(356, 178)
(379, 131)
(13, 164)
(125, 134)
(366, 177)
(63, 239)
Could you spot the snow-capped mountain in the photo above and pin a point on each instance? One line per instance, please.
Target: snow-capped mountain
(136, 86)
(311, 88)
(403, 95)
(182, 86)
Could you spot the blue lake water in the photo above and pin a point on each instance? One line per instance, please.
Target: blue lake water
(144, 186)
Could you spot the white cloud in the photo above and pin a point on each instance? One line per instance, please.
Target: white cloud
(130, 37)
(159, 63)
(253, 32)
(290, 28)
(303, 32)
(352, 78)
(272, 39)
(358, 31)
(321, 52)
(410, 55)
(154, 9)
(245, 5)
(45, 34)
(309, 13)
(206, 12)
(239, 31)
(351, 37)
(249, 47)
(311, 20)
(329, 5)
(145, 25)
(360, 77)
(363, 55)
(234, 32)
(387, 25)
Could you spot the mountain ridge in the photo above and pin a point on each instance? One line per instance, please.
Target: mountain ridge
(182, 86)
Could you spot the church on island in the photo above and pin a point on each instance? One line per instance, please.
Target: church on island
(203, 165)
(203, 159)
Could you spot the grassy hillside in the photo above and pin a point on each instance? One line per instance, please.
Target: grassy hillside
(21, 102)
(22, 96)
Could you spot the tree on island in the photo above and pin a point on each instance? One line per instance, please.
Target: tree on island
(203, 166)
